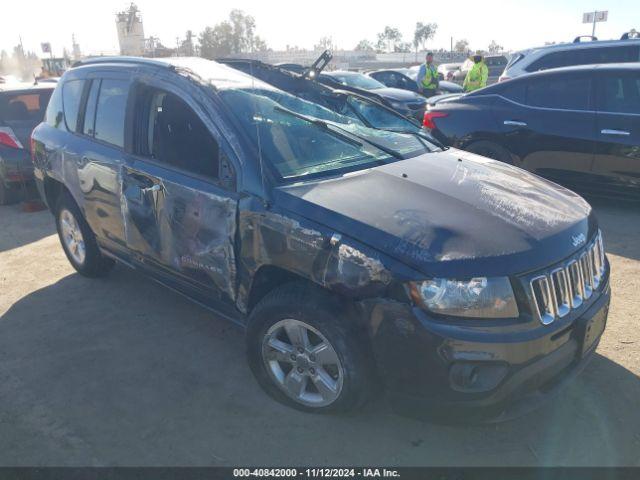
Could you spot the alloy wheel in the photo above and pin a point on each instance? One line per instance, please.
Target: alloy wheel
(302, 362)
(72, 236)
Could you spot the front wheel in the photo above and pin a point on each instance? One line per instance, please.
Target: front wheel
(305, 353)
(78, 241)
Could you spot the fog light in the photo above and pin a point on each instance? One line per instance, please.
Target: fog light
(476, 376)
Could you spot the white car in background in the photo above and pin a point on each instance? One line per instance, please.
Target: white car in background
(580, 52)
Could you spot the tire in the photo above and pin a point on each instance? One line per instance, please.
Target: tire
(295, 307)
(491, 150)
(78, 241)
(8, 196)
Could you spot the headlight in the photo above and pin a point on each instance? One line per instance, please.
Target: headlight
(398, 106)
(478, 297)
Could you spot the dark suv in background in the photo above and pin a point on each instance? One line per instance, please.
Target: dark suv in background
(579, 126)
(408, 103)
(351, 255)
(21, 110)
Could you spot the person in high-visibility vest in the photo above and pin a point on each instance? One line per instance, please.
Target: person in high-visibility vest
(476, 77)
(428, 77)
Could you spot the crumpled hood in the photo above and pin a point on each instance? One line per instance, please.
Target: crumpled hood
(398, 95)
(450, 213)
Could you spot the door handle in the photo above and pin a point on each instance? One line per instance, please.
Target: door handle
(515, 123)
(622, 133)
(153, 188)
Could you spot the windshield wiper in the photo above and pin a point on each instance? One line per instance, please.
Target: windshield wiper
(320, 124)
(336, 130)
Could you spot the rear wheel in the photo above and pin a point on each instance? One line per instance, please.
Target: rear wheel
(305, 353)
(491, 150)
(78, 241)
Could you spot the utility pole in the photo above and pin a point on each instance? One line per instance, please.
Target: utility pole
(593, 31)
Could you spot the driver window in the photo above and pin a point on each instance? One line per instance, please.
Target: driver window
(175, 135)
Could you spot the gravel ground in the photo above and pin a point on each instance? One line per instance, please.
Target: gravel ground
(121, 371)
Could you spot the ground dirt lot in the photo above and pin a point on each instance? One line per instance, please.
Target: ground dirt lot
(122, 371)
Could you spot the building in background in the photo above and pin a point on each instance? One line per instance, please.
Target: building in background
(130, 31)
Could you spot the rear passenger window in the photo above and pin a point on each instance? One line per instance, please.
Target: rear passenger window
(54, 115)
(515, 91)
(559, 93)
(111, 110)
(71, 97)
(620, 94)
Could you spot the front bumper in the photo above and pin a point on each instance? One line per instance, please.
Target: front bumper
(452, 373)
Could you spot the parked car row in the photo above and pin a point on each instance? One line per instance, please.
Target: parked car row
(354, 250)
(578, 126)
(22, 107)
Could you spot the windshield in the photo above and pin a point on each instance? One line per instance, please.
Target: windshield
(299, 138)
(357, 80)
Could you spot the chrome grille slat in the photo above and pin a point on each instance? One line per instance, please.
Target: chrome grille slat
(568, 286)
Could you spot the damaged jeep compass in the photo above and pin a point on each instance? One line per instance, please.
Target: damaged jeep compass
(353, 257)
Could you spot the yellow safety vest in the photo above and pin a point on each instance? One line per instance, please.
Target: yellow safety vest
(430, 74)
(476, 78)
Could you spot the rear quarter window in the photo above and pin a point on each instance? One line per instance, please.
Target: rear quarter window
(71, 98)
(26, 107)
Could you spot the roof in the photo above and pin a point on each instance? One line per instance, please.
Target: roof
(16, 87)
(592, 44)
(219, 75)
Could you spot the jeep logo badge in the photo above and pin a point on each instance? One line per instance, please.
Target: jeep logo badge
(578, 240)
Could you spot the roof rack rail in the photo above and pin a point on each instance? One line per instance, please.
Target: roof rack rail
(122, 59)
(590, 37)
(630, 34)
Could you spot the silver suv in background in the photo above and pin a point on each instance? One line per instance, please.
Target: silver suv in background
(625, 50)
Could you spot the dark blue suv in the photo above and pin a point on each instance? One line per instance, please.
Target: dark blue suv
(351, 255)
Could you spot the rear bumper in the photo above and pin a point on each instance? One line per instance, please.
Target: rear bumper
(422, 368)
(15, 171)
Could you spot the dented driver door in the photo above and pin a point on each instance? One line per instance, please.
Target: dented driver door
(181, 228)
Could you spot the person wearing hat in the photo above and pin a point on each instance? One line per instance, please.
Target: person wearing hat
(427, 77)
(476, 77)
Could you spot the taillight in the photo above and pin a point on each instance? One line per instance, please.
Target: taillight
(429, 118)
(503, 78)
(8, 138)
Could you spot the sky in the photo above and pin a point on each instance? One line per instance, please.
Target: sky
(513, 24)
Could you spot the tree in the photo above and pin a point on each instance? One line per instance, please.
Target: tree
(495, 48)
(389, 38)
(462, 46)
(423, 33)
(217, 41)
(403, 47)
(325, 43)
(233, 36)
(4, 62)
(364, 46)
(242, 28)
(187, 47)
(259, 45)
